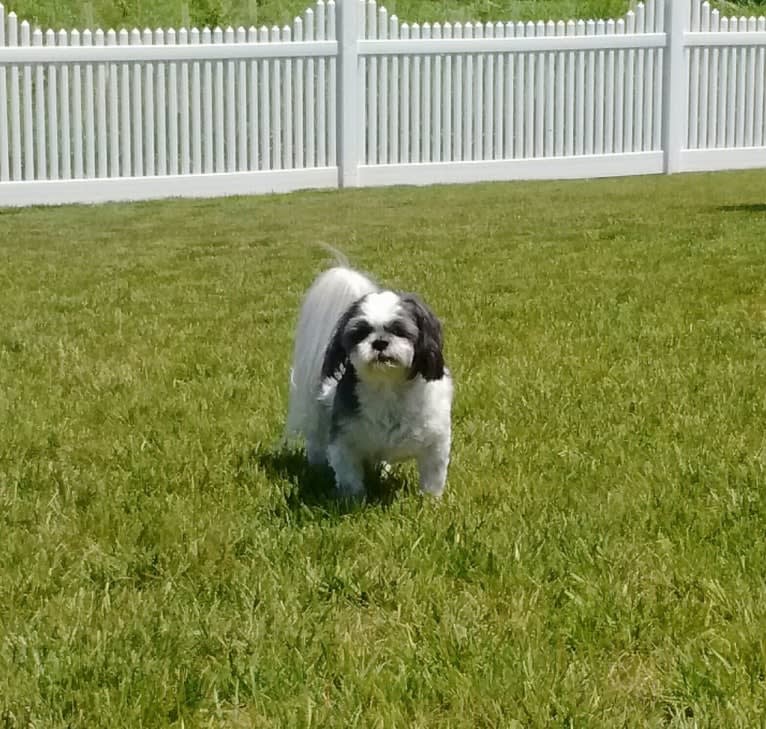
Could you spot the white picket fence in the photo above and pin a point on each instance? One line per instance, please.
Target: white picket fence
(351, 96)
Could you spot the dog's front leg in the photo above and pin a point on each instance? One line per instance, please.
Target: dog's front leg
(348, 468)
(432, 468)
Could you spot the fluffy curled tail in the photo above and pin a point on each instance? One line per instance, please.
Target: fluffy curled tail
(327, 299)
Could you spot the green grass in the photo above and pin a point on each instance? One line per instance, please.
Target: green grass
(598, 559)
(155, 13)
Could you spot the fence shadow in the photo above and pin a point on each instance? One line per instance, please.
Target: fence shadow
(743, 208)
(314, 486)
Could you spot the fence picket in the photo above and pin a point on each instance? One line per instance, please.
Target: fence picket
(15, 162)
(229, 107)
(138, 136)
(508, 129)
(649, 81)
(619, 93)
(160, 111)
(580, 130)
(548, 65)
(321, 109)
(332, 91)
(608, 147)
(630, 102)
(483, 125)
(51, 140)
(457, 100)
(425, 101)
(287, 106)
(383, 112)
(487, 80)
(558, 63)
(741, 107)
(532, 101)
(218, 130)
(499, 101)
(569, 123)
(599, 99)
(468, 99)
(715, 91)
(750, 97)
(732, 100)
(703, 107)
(125, 115)
(310, 123)
(393, 92)
(39, 129)
(148, 108)
(4, 128)
(483, 101)
(185, 123)
(638, 120)
(590, 92)
(241, 135)
(371, 32)
(437, 108)
(276, 104)
(760, 80)
(695, 77)
(102, 140)
(89, 118)
(114, 118)
(253, 109)
(208, 158)
(658, 85)
(64, 155)
(298, 96)
(727, 90)
(415, 100)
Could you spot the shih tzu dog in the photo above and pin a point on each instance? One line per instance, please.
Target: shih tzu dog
(368, 382)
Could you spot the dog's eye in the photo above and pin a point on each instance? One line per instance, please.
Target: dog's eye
(359, 332)
(397, 329)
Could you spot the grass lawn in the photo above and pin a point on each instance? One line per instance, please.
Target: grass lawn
(598, 559)
(177, 13)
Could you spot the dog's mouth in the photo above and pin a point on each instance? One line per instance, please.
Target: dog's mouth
(385, 359)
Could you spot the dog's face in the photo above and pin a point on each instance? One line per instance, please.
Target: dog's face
(385, 335)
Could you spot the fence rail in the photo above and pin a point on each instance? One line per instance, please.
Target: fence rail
(348, 95)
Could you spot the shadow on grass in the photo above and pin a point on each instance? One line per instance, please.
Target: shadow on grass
(314, 486)
(744, 208)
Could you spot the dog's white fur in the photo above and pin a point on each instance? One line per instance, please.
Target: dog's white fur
(369, 406)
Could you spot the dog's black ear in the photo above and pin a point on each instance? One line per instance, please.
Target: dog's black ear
(336, 356)
(429, 358)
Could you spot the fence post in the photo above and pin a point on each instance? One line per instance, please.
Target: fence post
(349, 99)
(675, 97)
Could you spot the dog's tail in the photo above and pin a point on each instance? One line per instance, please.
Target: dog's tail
(339, 257)
(329, 296)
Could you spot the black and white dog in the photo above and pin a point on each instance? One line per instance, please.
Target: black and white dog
(368, 381)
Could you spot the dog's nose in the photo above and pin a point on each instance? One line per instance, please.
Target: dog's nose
(379, 345)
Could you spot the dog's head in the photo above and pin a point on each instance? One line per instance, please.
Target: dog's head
(387, 335)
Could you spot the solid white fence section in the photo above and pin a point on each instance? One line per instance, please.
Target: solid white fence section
(503, 100)
(726, 118)
(349, 95)
(91, 116)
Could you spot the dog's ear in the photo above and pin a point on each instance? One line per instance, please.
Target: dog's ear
(336, 356)
(428, 360)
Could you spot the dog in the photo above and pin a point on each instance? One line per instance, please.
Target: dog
(369, 385)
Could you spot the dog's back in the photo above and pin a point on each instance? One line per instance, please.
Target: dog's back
(328, 298)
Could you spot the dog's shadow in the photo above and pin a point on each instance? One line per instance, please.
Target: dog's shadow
(314, 486)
